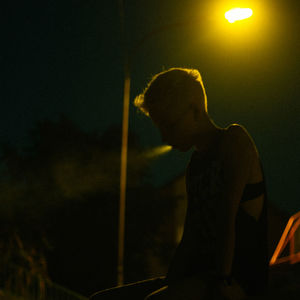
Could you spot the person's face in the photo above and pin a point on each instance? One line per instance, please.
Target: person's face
(176, 127)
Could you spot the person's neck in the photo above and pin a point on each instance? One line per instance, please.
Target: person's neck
(207, 137)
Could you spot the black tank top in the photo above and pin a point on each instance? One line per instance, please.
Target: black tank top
(196, 253)
(251, 263)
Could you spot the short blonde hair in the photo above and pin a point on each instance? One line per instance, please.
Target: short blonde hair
(172, 88)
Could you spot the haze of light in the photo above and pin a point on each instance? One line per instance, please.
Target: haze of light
(158, 151)
(237, 14)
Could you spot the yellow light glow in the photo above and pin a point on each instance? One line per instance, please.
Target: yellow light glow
(237, 14)
(158, 151)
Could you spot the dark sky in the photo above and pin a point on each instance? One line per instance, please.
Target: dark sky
(67, 57)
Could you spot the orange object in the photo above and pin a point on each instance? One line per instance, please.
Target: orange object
(288, 236)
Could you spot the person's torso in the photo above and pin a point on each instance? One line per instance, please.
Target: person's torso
(197, 251)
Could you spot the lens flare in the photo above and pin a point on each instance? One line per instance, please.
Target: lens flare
(237, 14)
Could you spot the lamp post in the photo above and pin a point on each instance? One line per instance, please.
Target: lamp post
(123, 174)
(124, 148)
(125, 124)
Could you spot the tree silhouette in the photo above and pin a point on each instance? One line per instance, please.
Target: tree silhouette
(64, 188)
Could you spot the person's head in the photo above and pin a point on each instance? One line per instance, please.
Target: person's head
(173, 89)
(176, 101)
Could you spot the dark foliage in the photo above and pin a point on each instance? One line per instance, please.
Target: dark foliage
(62, 194)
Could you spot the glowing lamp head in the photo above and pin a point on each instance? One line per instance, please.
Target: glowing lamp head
(237, 14)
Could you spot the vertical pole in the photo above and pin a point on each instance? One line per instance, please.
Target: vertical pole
(124, 147)
(123, 178)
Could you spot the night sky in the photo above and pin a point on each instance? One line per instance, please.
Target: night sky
(67, 57)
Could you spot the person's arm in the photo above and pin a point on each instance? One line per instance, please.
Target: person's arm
(237, 157)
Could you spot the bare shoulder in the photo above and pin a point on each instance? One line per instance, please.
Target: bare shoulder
(237, 138)
(238, 151)
(237, 131)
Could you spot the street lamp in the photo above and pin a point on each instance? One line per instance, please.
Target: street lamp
(237, 14)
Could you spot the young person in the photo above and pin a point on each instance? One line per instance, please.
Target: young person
(223, 251)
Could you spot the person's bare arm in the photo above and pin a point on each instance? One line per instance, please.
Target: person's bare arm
(237, 157)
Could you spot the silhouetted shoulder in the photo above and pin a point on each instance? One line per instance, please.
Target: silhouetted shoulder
(237, 139)
(237, 130)
(237, 154)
